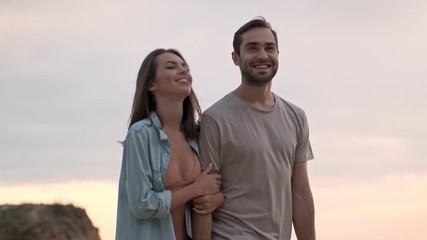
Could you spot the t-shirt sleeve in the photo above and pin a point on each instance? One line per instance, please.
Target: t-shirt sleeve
(303, 151)
(209, 143)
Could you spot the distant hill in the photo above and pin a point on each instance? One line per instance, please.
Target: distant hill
(45, 222)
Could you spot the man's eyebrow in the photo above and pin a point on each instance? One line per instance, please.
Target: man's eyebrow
(252, 43)
(258, 43)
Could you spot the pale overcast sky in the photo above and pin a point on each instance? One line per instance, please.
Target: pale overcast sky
(68, 71)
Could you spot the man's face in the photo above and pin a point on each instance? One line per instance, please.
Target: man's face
(258, 60)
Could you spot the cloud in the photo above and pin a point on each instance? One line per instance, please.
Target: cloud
(376, 209)
(350, 156)
(68, 72)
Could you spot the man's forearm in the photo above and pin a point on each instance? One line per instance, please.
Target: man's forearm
(303, 218)
(202, 226)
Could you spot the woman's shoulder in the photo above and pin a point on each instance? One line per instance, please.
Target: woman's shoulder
(141, 125)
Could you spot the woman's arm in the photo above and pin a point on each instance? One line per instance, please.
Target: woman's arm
(143, 201)
(208, 203)
(205, 184)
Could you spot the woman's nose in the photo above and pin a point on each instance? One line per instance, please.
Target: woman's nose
(183, 70)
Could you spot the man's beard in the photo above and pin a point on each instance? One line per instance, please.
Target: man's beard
(256, 79)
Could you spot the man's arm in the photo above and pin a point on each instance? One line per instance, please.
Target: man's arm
(302, 203)
(201, 214)
(208, 203)
(209, 143)
(201, 225)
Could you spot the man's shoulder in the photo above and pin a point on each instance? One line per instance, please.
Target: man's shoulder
(289, 106)
(219, 107)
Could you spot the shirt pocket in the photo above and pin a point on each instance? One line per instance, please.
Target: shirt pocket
(158, 182)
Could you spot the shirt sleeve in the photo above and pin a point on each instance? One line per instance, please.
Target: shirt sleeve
(209, 143)
(303, 151)
(144, 202)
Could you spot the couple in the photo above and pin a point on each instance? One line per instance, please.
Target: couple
(249, 178)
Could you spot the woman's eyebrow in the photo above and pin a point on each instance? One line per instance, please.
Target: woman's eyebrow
(170, 62)
(176, 63)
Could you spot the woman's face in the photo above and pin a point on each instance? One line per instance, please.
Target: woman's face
(173, 78)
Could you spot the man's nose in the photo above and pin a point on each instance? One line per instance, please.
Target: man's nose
(262, 54)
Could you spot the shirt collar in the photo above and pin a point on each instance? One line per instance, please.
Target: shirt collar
(156, 122)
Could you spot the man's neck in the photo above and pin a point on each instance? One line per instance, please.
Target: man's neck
(259, 97)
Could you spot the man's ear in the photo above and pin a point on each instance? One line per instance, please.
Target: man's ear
(236, 58)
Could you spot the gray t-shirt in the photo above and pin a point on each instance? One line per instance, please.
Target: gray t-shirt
(254, 151)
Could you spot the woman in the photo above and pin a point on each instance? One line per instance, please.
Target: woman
(160, 171)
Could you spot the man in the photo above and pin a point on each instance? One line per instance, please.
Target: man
(259, 143)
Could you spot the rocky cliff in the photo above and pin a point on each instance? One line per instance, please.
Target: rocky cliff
(45, 222)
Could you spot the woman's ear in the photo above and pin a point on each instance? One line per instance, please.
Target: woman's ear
(152, 87)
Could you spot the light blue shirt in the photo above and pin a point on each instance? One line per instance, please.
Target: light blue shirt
(144, 205)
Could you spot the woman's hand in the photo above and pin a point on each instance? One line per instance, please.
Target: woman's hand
(208, 184)
(208, 203)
